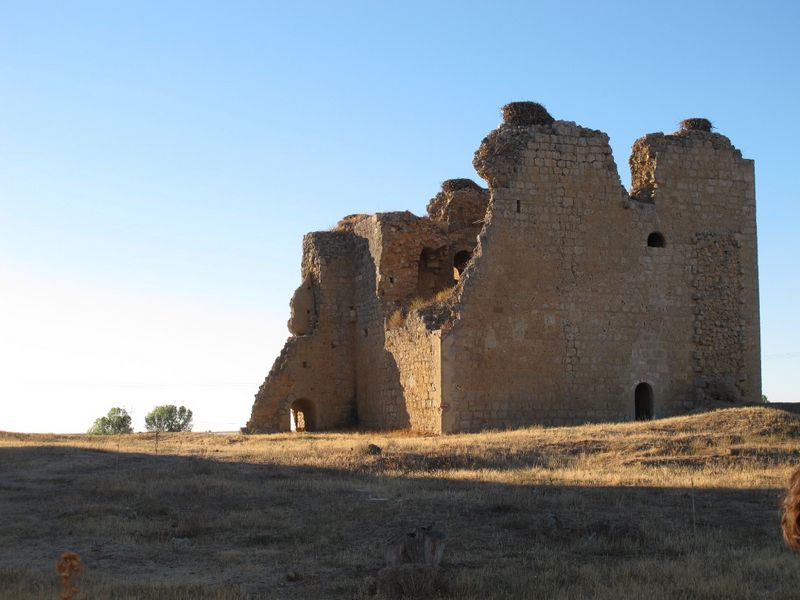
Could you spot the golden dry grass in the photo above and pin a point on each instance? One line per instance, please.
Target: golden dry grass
(399, 316)
(674, 508)
(440, 296)
(396, 320)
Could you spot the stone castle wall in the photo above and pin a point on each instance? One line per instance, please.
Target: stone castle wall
(416, 352)
(576, 302)
(378, 397)
(704, 192)
(540, 314)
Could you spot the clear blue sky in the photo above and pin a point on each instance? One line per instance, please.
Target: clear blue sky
(160, 162)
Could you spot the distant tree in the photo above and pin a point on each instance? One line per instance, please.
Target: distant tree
(116, 421)
(168, 417)
(764, 399)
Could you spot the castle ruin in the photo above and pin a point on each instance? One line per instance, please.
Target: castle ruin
(553, 297)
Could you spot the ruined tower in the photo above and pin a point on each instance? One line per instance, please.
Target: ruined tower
(554, 296)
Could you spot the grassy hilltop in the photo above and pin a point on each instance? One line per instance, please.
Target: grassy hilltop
(675, 508)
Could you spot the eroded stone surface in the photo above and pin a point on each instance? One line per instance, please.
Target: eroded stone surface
(303, 308)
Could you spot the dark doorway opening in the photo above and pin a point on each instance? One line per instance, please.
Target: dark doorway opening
(460, 261)
(643, 399)
(301, 415)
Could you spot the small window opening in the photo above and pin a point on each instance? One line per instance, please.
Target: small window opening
(305, 365)
(519, 206)
(366, 332)
(655, 240)
(301, 415)
(643, 402)
(391, 279)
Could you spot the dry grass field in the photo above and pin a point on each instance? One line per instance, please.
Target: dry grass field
(677, 508)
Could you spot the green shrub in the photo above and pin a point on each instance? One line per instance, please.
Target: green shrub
(168, 417)
(116, 421)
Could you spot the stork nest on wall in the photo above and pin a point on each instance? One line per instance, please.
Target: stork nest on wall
(454, 185)
(696, 125)
(526, 114)
(348, 222)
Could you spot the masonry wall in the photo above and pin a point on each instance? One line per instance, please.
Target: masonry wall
(416, 352)
(576, 294)
(318, 365)
(378, 396)
(388, 267)
(703, 198)
(530, 344)
(566, 309)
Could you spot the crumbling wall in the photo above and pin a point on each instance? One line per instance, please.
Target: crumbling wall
(566, 307)
(398, 372)
(459, 209)
(379, 398)
(461, 204)
(398, 243)
(529, 343)
(317, 363)
(573, 296)
(395, 247)
(303, 308)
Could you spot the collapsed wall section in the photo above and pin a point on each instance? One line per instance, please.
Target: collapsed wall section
(403, 257)
(409, 256)
(315, 368)
(459, 210)
(341, 366)
(580, 302)
(407, 260)
(583, 303)
(379, 399)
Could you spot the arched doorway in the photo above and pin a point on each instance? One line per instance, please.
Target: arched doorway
(643, 402)
(301, 415)
(460, 261)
